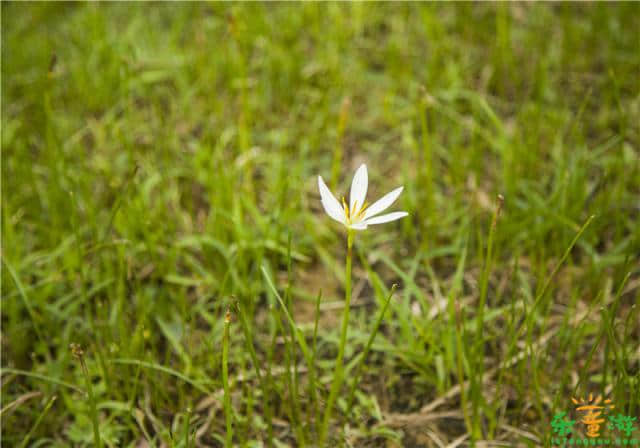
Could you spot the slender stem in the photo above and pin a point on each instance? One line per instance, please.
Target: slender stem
(476, 391)
(94, 411)
(78, 353)
(225, 380)
(291, 360)
(459, 331)
(338, 149)
(187, 419)
(312, 367)
(337, 378)
(261, 378)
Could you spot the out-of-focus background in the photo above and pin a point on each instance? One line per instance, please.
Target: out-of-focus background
(156, 156)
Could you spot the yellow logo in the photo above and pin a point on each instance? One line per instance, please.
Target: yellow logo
(592, 408)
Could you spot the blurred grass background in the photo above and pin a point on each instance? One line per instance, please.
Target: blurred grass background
(155, 156)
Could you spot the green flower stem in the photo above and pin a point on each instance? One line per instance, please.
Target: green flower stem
(337, 378)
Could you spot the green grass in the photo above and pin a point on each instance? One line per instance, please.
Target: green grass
(159, 167)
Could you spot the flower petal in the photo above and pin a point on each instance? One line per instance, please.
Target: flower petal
(382, 203)
(330, 203)
(385, 218)
(358, 188)
(359, 226)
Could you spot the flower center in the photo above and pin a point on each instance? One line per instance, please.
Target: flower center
(355, 215)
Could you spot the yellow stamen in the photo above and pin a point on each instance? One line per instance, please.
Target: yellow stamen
(361, 211)
(346, 209)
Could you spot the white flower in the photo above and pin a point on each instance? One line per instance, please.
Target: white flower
(359, 214)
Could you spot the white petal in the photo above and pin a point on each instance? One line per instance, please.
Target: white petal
(330, 203)
(359, 226)
(383, 203)
(359, 188)
(385, 218)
